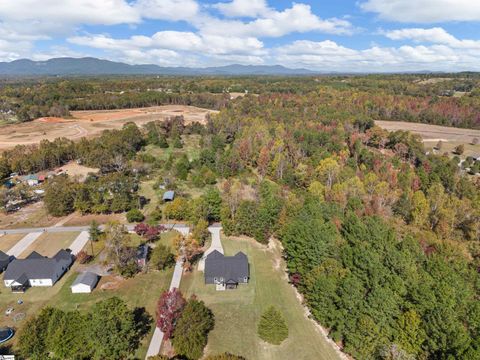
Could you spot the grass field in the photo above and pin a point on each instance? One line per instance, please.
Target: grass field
(48, 244)
(8, 241)
(141, 291)
(237, 312)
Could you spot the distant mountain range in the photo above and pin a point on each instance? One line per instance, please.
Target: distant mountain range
(92, 66)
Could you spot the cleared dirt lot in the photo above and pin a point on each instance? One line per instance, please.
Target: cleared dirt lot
(92, 123)
(432, 134)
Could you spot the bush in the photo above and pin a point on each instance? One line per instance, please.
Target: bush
(191, 332)
(83, 257)
(272, 327)
(162, 257)
(135, 215)
(225, 356)
(459, 150)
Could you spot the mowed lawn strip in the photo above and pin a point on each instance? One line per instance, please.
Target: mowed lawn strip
(237, 312)
(8, 241)
(48, 244)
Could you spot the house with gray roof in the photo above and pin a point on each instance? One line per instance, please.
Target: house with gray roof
(37, 270)
(226, 271)
(85, 283)
(4, 261)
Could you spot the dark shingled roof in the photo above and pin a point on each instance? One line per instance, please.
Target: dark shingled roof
(36, 266)
(87, 278)
(4, 260)
(229, 267)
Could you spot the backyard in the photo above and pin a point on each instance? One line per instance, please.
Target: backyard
(237, 312)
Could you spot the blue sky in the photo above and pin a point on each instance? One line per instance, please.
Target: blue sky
(345, 35)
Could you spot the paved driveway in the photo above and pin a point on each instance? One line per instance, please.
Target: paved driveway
(23, 244)
(215, 245)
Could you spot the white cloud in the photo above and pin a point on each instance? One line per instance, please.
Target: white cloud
(243, 8)
(299, 18)
(172, 10)
(424, 11)
(143, 49)
(435, 35)
(329, 56)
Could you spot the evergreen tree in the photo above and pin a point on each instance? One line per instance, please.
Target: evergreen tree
(272, 327)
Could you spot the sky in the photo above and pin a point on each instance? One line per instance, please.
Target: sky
(321, 35)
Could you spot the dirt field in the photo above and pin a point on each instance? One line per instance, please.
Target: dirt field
(432, 134)
(92, 123)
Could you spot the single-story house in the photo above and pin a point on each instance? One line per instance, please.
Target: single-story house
(4, 260)
(226, 271)
(31, 179)
(85, 283)
(168, 195)
(37, 270)
(142, 255)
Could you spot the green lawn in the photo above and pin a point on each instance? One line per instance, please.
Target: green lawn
(237, 312)
(143, 290)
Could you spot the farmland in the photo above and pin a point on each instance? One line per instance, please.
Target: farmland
(432, 134)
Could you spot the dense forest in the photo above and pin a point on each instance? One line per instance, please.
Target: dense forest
(447, 99)
(381, 239)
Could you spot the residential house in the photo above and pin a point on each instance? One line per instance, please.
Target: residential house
(37, 270)
(31, 179)
(226, 271)
(4, 260)
(85, 283)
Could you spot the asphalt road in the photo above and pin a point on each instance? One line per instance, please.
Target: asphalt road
(58, 229)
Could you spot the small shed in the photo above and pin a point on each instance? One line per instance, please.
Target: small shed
(168, 195)
(85, 283)
(142, 255)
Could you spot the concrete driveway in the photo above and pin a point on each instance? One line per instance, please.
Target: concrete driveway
(215, 245)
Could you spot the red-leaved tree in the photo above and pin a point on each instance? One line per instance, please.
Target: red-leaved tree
(169, 308)
(150, 233)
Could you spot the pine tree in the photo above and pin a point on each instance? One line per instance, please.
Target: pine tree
(272, 327)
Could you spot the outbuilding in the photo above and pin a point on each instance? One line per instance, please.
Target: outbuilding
(168, 195)
(85, 283)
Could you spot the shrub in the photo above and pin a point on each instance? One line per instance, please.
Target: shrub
(272, 327)
(162, 257)
(83, 257)
(135, 215)
(459, 150)
(225, 356)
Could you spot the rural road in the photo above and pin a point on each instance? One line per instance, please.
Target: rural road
(58, 229)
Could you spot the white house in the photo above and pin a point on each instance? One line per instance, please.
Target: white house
(37, 270)
(85, 283)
